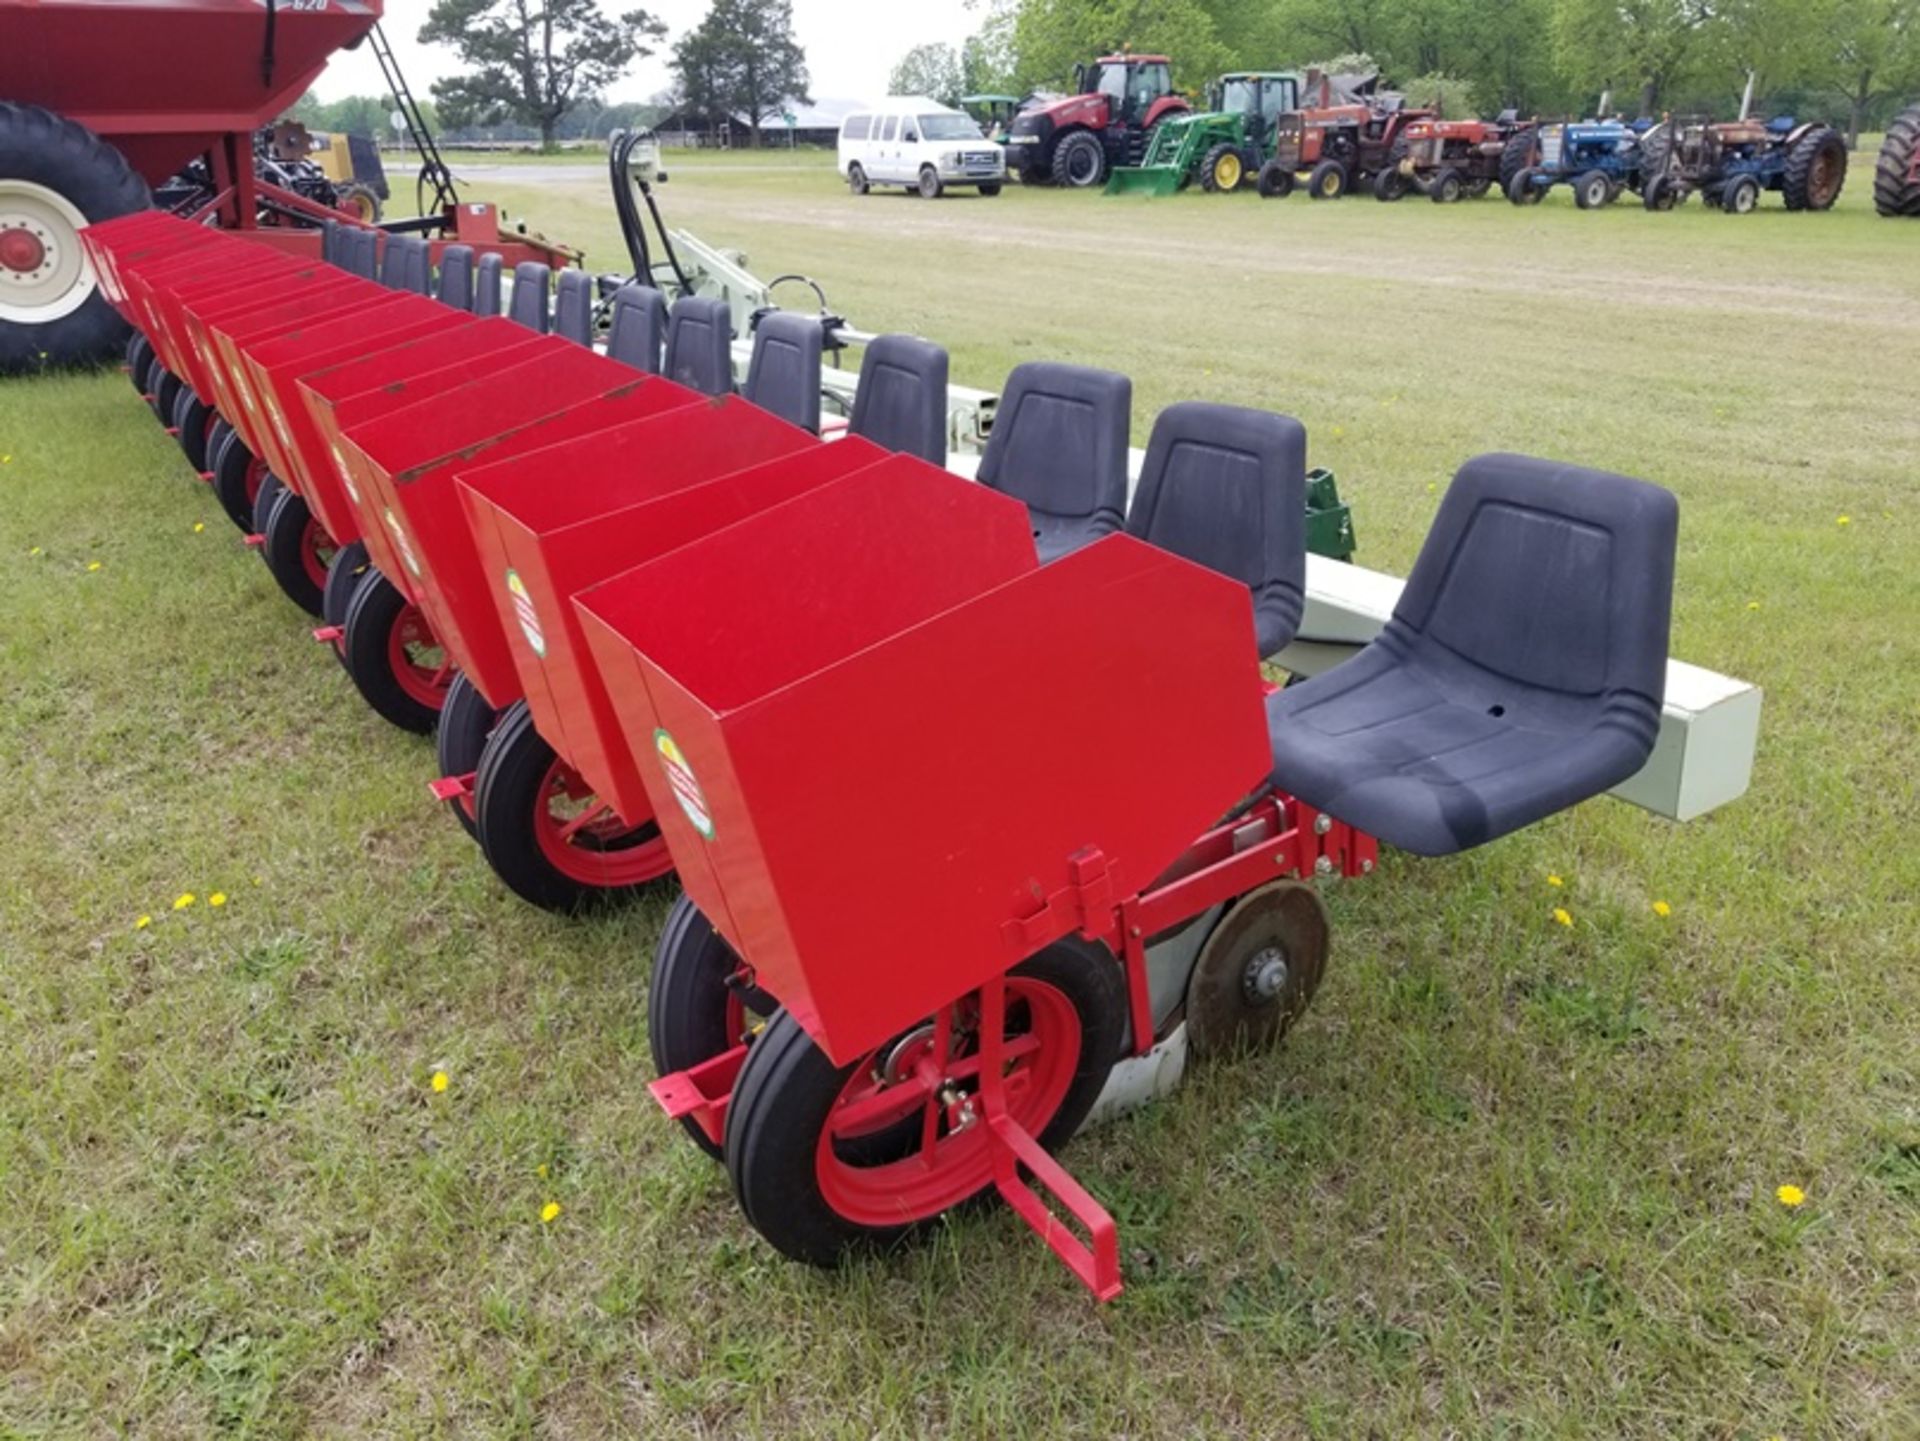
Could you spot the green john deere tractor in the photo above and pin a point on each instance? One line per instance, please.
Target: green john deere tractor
(1219, 147)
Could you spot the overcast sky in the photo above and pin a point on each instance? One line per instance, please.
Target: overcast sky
(850, 45)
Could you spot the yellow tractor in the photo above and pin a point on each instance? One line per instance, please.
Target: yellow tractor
(350, 164)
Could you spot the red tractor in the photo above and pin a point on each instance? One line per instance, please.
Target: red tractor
(1448, 160)
(1076, 140)
(1349, 133)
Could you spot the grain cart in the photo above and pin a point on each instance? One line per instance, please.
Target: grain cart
(1074, 141)
(1349, 131)
(1896, 174)
(1448, 160)
(1730, 163)
(1220, 147)
(105, 102)
(1599, 159)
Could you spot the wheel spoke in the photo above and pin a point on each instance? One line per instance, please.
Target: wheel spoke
(878, 1107)
(592, 813)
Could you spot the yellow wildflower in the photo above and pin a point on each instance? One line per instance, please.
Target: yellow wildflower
(198, 526)
(183, 900)
(93, 565)
(143, 923)
(1790, 1196)
(1339, 431)
(440, 1081)
(35, 550)
(1554, 880)
(541, 1170)
(1845, 520)
(1562, 915)
(1661, 908)
(218, 898)
(550, 1211)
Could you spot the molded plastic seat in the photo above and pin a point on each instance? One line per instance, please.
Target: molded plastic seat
(901, 400)
(639, 328)
(573, 307)
(330, 241)
(358, 249)
(700, 345)
(1522, 672)
(1226, 487)
(486, 284)
(456, 277)
(407, 265)
(1059, 444)
(528, 304)
(784, 374)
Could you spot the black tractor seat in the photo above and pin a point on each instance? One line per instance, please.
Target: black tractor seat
(1522, 672)
(784, 374)
(1059, 444)
(1226, 488)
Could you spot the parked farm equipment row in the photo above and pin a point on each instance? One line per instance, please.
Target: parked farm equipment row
(631, 599)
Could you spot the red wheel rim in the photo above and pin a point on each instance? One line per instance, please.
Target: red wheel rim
(902, 1082)
(316, 552)
(419, 662)
(586, 841)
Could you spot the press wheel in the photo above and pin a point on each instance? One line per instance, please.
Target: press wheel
(1258, 970)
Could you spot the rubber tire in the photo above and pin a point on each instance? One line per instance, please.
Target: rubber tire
(190, 417)
(1327, 181)
(1209, 166)
(1592, 190)
(1661, 194)
(990, 188)
(1447, 187)
(139, 357)
(231, 462)
(1079, 142)
(466, 720)
(371, 616)
(38, 146)
(166, 393)
(1796, 184)
(272, 487)
(350, 564)
(1740, 196)
(367, 210)
(857, 180)
(1275, 181)
(1522, 191)
(1515, 156)
(149, 374)
(1390, 185)
(508, 786)
(785, 1089)
(1894, 195)
(687, 1000)
(930, 187)
(283, 542)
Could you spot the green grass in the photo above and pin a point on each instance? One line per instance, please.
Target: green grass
(1508, 1179)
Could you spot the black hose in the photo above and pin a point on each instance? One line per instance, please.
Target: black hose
(632, 228)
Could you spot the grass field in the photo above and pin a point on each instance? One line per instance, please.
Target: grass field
(1508, 1179)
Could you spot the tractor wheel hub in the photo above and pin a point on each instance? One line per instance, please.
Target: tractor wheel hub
(1265, 976)
(21, 251)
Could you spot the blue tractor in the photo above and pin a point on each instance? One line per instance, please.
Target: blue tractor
(1598, 158)
(1731, 163)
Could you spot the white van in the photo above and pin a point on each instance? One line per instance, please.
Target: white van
(919, 143)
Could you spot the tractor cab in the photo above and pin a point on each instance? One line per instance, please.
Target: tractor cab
(1260, 99)
(1131, 84)
(994, 113)
(1076, 140)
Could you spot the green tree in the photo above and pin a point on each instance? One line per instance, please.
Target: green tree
(1646, 45)
(1050, 37)
(1870, 52)
(532, 60)
(932, 70)
(743, 60)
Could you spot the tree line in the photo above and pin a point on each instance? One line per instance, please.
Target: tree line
(1854, 61)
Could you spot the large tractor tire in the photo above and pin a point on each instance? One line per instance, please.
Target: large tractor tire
(360, 201)
(56, 178)
(1275, 181)
(1516, 157)
(1222, 169)
(1896, 175)
(1080, 162)
(1816, 170)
